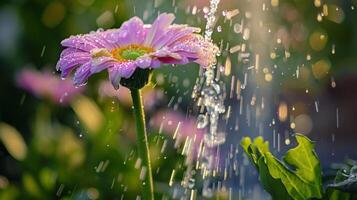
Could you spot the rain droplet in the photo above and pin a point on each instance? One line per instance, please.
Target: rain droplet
(202, 121)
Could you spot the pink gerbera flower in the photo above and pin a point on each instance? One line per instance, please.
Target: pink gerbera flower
(151, 95)
(44, 84)
(134, 45)
(182, 128)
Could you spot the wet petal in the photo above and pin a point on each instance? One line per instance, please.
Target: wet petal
(79, 42)
(166, 53)
(196, 48)
(82, 74)
(143, 61)
(69, 51)
(159, 27)
(66, 65)
(103, 38)
(114, 77)
(135, 32)
(171, 60)
(124, 69)
(165, 56)
(155, 63)
(119, 38)
(101, 63)
(89, 41)
(174, 33)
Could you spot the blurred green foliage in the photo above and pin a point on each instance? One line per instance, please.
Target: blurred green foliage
(101, 164)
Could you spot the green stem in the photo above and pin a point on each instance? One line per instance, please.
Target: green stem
(143, 145)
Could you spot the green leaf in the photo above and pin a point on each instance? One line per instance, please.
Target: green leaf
(346, 179)
(332, 194)
(298, 177)
(255, 151)
(304, 159)
(274, 186)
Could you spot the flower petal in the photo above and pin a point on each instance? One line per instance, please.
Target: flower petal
(135, 32)
(155, 63)
(174, 33)
(159, 27)
(101, 63)
(82, 74)
(119, 70)
(171, 60)
(143, 61)
(126, 69)
(70, 51)
(166, 53)
(79, 42)
(114, 77)
(68, 63)
(196, 48)
(89, 41)
(104, 38)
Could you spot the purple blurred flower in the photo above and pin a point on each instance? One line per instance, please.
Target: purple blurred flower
(46, 85)
(150, 95)
(134, 45)
(181, 128)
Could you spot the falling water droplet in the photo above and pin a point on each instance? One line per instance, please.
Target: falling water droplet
(202, 121)
(214, 140)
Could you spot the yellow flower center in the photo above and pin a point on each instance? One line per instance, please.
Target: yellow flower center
(130, 52)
